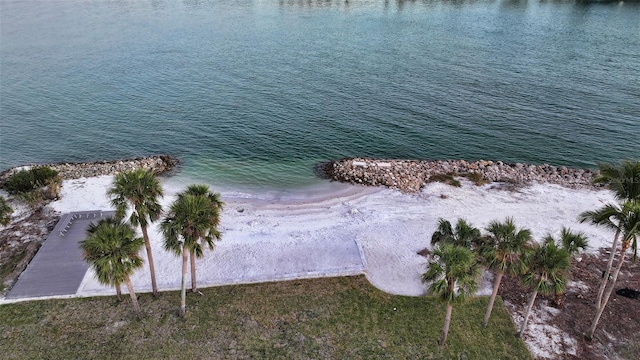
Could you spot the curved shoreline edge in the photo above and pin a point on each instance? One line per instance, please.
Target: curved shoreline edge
(412, 175)
(159, 164)
(406, 175)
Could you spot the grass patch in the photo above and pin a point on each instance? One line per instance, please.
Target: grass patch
(5, 212)
(7, 267)
(476, 178)
(448, 179)
(333, 318)
(630, 349)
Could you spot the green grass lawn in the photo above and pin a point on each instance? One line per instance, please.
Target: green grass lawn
(332, 318)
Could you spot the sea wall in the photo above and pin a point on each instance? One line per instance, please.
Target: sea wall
(158, 164)
(412, 175)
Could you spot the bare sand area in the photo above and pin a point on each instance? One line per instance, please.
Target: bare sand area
(337, 229)
(343, 229)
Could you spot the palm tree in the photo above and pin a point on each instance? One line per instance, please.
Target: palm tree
(548, 267)
(574, 243)
(453, 275)
(629, 227)
(140, 190)
(5, 212)
(504, 253)
(623, 180)
(92, 229)
(189, 224)
(464, 234)
(617, 218)
(112, 250)
(216, 207)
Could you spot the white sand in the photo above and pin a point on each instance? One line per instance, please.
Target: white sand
(292, 238)
(545, 341)
(339, 229)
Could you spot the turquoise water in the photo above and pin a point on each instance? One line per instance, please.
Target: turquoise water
(254, 93)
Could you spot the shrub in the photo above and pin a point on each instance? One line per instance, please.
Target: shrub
(52, 191)
(5, 212)
(476, 178)
(29, 180)
(448, 179)
(33, 198)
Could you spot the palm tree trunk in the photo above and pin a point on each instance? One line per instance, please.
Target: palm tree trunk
(152, 268)
(526, 316)
(192, 257)
(605, 279)
(118, 292)
(492, 299)
(183, 288)
(134, 298)
(445, 327)
(605, 300)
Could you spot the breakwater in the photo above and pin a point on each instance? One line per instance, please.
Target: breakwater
(158, 164)
(412, 175)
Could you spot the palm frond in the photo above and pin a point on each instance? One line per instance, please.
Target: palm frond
(140, 190)
(574, 242)
(623, 180)
(508, 247)
(548, 267)
(464, 234)
(192, 220)
(453, 273)
(112, 249)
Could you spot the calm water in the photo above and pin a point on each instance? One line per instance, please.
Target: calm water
(253, 93)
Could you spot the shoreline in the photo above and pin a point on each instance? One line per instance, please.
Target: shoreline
(390, 227)
(406, 175)
(412, 175)
(159, 164)
(344, 229)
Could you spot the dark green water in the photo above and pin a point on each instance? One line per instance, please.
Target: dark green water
(253, 93)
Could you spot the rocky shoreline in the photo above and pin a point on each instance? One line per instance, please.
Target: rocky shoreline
(158, 164)
(21, 239)
(413, 175)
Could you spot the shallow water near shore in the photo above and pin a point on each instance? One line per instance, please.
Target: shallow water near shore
(252, 94)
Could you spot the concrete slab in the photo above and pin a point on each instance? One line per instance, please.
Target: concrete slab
(58, 267)
(252, 259)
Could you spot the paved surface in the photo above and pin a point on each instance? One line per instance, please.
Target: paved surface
(242, 258)
(58, 267)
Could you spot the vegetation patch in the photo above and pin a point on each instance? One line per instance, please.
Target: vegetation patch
(477, 178)
(5, 212)
(7, 267)
(448, 179)
(331, 318)
(29, 180)
(34, 185)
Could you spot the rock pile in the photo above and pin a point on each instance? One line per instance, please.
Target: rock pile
(412, 175)
(157, 164)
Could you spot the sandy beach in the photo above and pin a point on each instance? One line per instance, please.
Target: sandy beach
(337, 229)
(343, 229)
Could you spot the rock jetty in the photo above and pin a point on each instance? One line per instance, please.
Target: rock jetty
(158, 164)
(413, 175)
